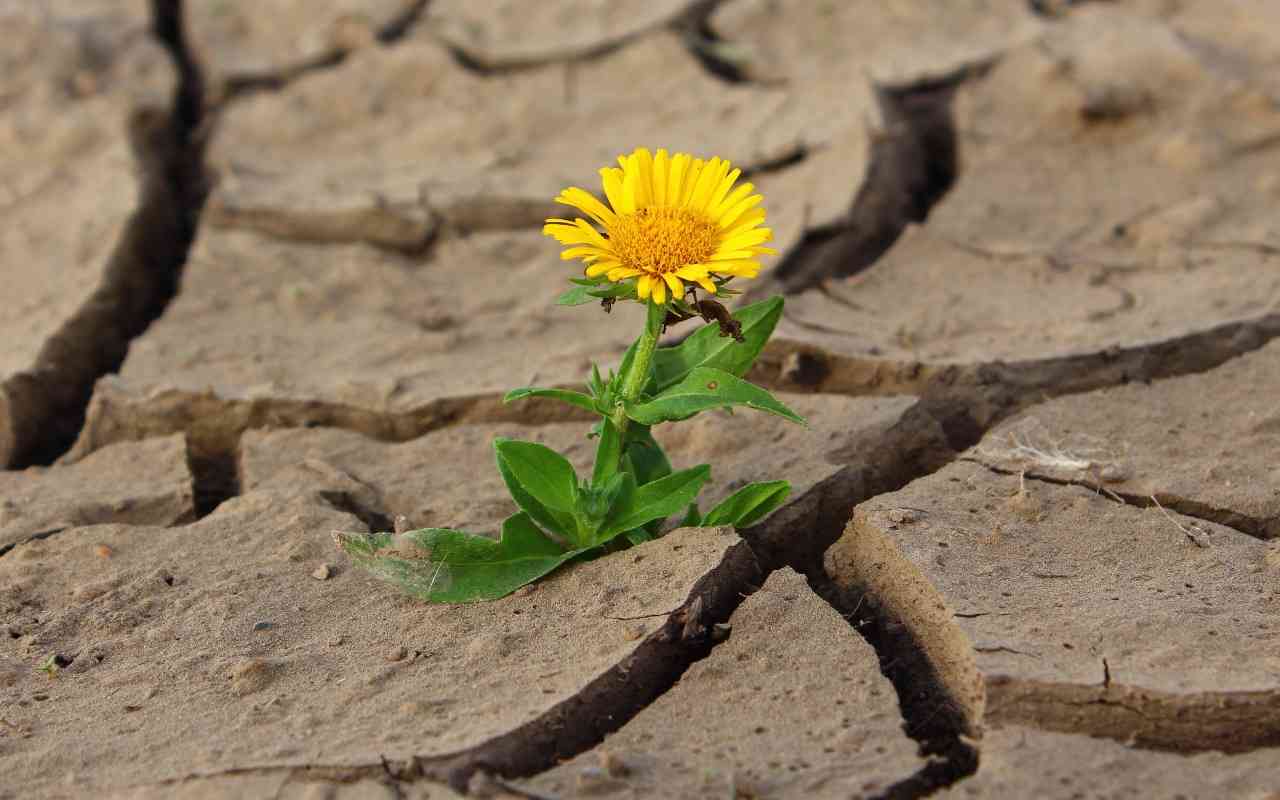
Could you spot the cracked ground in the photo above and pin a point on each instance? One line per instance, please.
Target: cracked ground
(269, 268)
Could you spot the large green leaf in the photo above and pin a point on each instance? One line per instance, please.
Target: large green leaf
(564, 395)
(542, 482)
(447, 566)
(707, 348)
(657, 500)
(705, 388)
(748, 505)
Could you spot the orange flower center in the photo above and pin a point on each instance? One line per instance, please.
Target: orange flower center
(657, 239)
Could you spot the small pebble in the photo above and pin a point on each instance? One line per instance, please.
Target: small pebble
(398, 654)
(903, 515)
(262, 626)
(322, 572)
(633, 632)
(613, 765)
(337, 641)
(103, 551)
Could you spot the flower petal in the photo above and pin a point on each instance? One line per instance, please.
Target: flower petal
(587, 203)
(677, 288)
(726, 183)
(643, 285)
(642, 163)
(611, 177)
(659, 291)
(660, 178)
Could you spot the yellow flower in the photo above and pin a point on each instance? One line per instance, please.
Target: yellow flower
(670, 219)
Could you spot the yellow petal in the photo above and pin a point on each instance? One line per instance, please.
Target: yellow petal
(643, 285)
(711, 173)
(584, 250)
(675, 181)
(741, 208)
(660, 178)
(620, 272)
(693, 271)
(745, 222)
(643, 164)
(691, 176)
(707, 285)
(588, 204)
(677, 288)
(734, 197)
(611, 177)
(629, 192)
(726, 183)
(751, 238)
(659, 291)
(601, 268)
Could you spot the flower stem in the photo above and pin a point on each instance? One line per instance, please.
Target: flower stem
(641, 365)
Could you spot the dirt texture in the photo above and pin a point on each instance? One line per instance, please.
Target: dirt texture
(270, 268)
(815, 718)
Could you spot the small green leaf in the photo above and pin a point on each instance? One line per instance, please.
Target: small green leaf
(572, 398)
(705, 388)
(608, 454)
(447, 566)
(656, 500)
(645, 457)
(748, 505)
(638, 536)
(542, 482)
(576, 296)
(692, 517)
(705, 347)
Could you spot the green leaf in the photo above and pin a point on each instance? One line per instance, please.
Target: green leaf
(692, 517)
(638, 536)
(656, 500)
(645, 457)
(446, 566)
(608, 454)
(576, 296)
(707, 348)
(705, 388)
(572, 398)
(542, 482)
(748, 505)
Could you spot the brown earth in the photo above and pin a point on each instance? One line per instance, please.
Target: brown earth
(270, 267)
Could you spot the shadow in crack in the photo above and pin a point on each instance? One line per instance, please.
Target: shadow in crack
(48, 405)
(914, 162)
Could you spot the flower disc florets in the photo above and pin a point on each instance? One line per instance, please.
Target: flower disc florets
(668, 220)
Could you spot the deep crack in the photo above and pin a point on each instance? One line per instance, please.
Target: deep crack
(42, 411)
(913, 163)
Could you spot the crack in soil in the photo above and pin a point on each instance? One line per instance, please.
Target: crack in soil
(1232, 722)
(913, 164)
(492, 66)
(579, 722)
(1264, 528)
(41, 411)
(237, 85)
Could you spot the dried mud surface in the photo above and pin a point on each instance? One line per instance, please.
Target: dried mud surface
(270, 267)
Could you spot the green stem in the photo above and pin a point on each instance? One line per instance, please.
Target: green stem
(641, 366)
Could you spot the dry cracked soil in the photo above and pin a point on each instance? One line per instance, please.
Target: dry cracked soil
(270, 265)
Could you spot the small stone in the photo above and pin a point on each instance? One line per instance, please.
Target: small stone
(613, 765)
(337, 641)
(398, 654)
(103, 551)
(633, 632)
(322, 572)
(263, 625)
(903, 515)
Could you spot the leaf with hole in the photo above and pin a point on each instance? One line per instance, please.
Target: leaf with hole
(440, 565)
